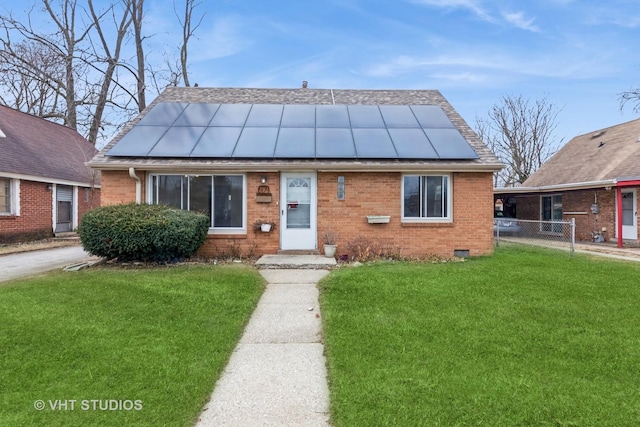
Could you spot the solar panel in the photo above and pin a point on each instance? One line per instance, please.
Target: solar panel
(365, 116)
(332, 116)
(267, 131)
(138, 141)
(334, 143)
(265, 116)
(197, 115)
(399, 116)
(231, 115)
(299, 116)
(297, 143)
(163, 114)
(217, 142)
(431, 116)
(412, 144)
(374, 144)
(450, 144)
(178, 141)
(256, 143)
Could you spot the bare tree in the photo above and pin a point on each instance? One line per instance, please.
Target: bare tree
(61, 46)
(137, 13)
(24, 88)
(520, 132)
(77, 70)
(187, 32)
(633, 96)
(110, 57)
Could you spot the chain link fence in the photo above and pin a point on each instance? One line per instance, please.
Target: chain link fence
(550, 234)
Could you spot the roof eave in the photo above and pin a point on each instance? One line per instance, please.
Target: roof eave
(556, 187)
(324, 166)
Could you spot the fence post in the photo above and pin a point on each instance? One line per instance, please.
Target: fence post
(573, 235)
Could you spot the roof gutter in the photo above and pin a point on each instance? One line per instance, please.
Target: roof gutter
(132, 174)
(556, 187)
(319, 166)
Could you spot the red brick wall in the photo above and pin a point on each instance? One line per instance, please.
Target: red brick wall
(34, 221)
(254, 242)
(366, 194)
(380, 194)
(88, 198)
(118, 187)
(528, 207)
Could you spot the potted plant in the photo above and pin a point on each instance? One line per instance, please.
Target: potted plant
(329, 240)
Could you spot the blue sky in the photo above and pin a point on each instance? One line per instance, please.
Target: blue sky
(580, 54)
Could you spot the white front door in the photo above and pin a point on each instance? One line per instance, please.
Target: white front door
(298, 211)
(629, 214)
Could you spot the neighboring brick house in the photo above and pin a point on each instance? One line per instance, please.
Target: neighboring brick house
(45, 186)
(399, 167)
(593, 179)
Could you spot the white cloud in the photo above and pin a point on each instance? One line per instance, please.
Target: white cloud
(224, 38)
(518, 20)
(471, 5)
(486, 66)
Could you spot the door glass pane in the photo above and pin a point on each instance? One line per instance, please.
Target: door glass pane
(627, 208)
(200, 195)
(298, 203)
(227, 192)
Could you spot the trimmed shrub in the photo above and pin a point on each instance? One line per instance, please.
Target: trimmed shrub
(142, 232)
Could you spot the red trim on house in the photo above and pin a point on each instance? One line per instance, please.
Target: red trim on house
(619, 187)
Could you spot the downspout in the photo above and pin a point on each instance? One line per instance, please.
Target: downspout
(132, 174)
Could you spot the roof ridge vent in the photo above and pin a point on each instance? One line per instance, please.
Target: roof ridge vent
(598, 134)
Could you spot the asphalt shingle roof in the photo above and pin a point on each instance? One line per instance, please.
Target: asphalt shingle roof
(36, 147)
(605, 154)
(486, 161)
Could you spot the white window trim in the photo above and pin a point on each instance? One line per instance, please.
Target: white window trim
(212, 230)
(447, 219)
(14, 194)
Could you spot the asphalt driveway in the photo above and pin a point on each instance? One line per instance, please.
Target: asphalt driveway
(25, 264)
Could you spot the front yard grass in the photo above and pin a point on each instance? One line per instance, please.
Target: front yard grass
(154, 341)
(526, 337)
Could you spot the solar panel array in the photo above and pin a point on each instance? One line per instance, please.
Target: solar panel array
(270, 131)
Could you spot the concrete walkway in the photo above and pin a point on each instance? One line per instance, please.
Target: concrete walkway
(277, 373)
(26, 264)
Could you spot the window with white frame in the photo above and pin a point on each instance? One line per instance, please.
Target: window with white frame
(426, 198)
(6, 196)
(220, 197)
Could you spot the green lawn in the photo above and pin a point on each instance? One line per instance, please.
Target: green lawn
(527, 337)
(146, 345)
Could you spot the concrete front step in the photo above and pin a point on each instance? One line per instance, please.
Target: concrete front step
(66, 235)
(299, 252)
(296, 262)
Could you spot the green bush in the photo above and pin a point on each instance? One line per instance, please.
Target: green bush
(141, 232)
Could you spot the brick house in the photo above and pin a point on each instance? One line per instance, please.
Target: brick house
(45, 186)
(593, 179)
(397, 167)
